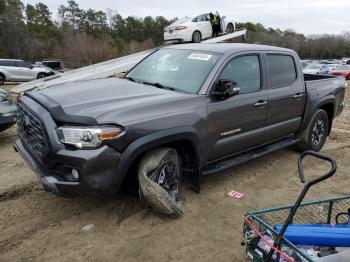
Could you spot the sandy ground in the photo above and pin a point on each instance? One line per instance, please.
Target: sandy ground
(36, 226)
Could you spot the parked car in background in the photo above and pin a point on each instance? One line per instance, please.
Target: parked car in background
(195, 28)
(8, 110)
(19, 70)
(52, 71)
(332, 66)
(304, 63)
(319, 69)
(345, 61)
(54, 64)
(342, 70)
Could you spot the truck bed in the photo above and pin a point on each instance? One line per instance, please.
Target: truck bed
(313, 77)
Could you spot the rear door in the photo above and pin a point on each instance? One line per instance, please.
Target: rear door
(10, 68)
(203, 25)
(237, 123)
(286, 95)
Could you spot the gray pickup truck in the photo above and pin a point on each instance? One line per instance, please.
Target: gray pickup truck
(184, 111)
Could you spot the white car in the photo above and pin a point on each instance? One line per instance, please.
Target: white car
(317, 69)
(195, 28)
(19, 70)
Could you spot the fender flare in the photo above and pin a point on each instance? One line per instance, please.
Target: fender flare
(3, 73)
(148, 142)
(309, 113)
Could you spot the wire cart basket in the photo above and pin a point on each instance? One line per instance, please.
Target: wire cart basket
(264, 243)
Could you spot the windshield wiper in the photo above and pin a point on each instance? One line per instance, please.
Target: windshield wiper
(159, 86)
(130, 78)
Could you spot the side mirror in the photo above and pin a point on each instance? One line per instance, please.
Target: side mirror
(226, 89)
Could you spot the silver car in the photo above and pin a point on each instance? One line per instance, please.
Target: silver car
(19, 70)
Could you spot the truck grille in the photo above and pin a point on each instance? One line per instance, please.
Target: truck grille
(31, 132)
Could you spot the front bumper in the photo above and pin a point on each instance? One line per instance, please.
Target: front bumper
(97, 170)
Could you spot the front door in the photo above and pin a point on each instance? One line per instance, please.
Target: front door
(237, 123)
(25, 71)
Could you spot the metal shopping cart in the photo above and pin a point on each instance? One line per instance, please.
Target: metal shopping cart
(265, 243)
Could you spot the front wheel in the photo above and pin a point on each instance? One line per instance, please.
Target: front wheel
(316, 133)
(159, 178)
(196, 37)
(41, 75)
(229, 29)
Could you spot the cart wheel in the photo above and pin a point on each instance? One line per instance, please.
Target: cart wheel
(316, 133)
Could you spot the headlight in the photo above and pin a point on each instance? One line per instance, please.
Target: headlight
(87, 137)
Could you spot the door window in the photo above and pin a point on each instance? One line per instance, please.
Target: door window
(245, 71)
(8, 63)
(22, 64)
(281, 70)
(200, 18)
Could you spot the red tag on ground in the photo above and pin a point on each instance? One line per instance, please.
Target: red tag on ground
(235, 194)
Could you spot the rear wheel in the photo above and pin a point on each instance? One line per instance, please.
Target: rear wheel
(41, 75)
(2, 79)
(159, 177)
(196, 37)
(230, 29)
(315, 135)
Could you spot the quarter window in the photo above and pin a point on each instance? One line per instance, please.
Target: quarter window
(281, 70)
(245, 71)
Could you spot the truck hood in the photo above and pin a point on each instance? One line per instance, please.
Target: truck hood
(114, 100)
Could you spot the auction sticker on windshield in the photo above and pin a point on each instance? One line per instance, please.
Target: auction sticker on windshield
(199, 56)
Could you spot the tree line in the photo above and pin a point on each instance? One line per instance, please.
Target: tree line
(322, 46)
(81, 37)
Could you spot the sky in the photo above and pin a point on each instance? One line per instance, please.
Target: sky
(304, 16)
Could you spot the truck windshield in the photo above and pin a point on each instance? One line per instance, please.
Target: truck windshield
(179, 70)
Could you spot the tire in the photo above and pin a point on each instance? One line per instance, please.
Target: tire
(42, 75)
(196, 37)
(2, 79)
(159, 178)
(316, 133)
(229, 29)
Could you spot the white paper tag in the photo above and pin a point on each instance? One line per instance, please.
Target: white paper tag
(199, 56)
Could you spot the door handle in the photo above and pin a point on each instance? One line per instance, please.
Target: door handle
(298, 95)
(260, 103)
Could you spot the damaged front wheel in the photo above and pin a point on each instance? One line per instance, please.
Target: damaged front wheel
(159, 177)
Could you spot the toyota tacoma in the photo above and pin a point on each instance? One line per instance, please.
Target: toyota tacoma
(185, 111)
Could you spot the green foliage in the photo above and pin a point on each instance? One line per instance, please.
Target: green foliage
(312, 47)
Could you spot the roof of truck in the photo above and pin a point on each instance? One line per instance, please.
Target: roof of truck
(228, 47)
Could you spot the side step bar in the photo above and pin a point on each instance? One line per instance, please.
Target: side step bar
(235, 160)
